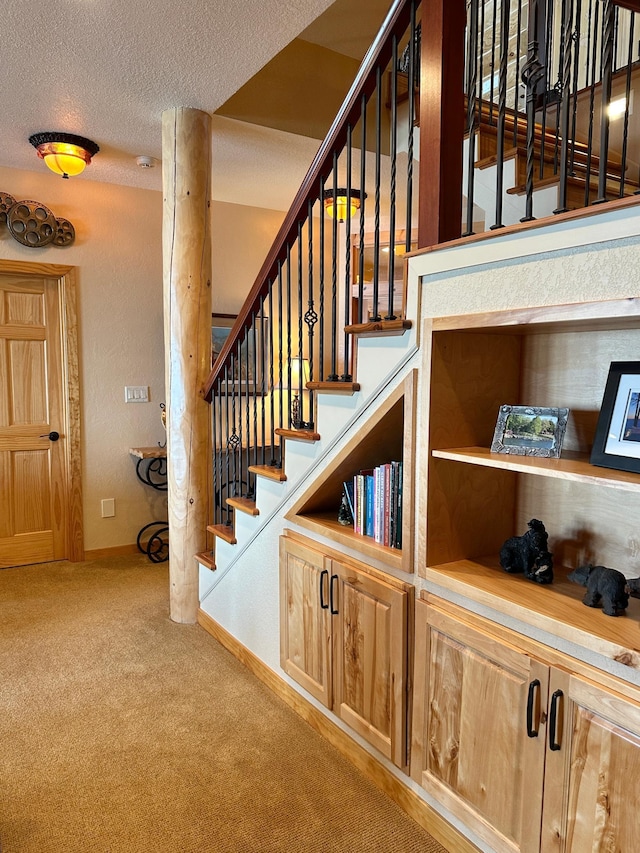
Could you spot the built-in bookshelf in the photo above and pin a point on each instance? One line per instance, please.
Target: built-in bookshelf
(387, 435)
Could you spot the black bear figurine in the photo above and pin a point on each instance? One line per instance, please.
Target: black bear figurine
(528, 554)
(603, 584)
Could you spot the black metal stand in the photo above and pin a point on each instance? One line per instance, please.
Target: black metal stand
(153, 538)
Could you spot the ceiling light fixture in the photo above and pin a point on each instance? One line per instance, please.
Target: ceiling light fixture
(64, 153)
(336, 203)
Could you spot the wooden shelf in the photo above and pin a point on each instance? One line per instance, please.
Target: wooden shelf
(571, 466)
(556, 608)
(326, 523)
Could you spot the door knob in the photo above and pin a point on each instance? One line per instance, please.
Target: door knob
(52, 436)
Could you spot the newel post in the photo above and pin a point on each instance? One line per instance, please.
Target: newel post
(186, 176)
(441, 120)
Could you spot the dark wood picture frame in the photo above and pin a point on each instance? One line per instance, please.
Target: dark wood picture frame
(617, 440)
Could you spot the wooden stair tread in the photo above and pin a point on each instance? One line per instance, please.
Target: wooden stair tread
(207, 558)
(269, 471)
(336, 387)
(379, 328)
(298, 434)
(243, 505)
(223, 531)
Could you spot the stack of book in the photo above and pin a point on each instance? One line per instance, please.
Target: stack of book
(375, 500)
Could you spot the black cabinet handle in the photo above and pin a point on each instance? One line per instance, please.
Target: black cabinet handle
(553, 721)
(324, 573)
(531, 732)
(332, 598)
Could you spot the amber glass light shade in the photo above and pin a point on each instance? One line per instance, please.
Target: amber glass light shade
(336, 205)
(64, 153)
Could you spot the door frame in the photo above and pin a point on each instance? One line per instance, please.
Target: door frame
(66, 280)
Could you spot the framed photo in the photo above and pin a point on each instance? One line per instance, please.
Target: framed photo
(530, 431)
(617, 439)
(251, 363)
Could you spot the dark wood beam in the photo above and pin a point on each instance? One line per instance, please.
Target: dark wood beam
(441, 121)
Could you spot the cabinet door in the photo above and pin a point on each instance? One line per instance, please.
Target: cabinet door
(305, 628)
(370, 645)
(592, 779)
(478, 729)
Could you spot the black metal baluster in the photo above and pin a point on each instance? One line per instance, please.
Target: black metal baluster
(411, 84)
(567, 25)
(516, 96)
(392, 188)
(502, 105)
(289, 311)
(310, 318)
(300, 329)
(321, 275)
(608, 18)
(229, 447)
(494, 28)
(576, 74)
(376, 228)
(346, 375)
(472, 84)
(627, 94)
(271, 386)
(363, 174)
(592, 96)
(545, 58)
(533, 72)
(333, 376)
(245, 459)
(276, 461)
(215, 439)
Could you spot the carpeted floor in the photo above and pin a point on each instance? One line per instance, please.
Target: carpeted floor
(121, 732)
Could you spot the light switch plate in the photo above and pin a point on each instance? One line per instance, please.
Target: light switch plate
(136, 393)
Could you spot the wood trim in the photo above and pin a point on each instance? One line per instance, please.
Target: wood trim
(386, 781)
(441, 121)
(269, 471)
(67, 290)
(115, 551)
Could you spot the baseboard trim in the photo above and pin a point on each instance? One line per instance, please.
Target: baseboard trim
(408, 800)
(116, 551)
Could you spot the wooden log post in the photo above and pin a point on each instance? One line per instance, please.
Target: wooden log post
(186, 174)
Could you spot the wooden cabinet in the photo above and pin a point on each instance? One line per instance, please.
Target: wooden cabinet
(510, 742)
(343, 637)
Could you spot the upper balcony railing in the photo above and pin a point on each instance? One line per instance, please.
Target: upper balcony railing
(463, 118)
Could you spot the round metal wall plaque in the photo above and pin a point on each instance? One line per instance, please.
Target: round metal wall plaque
(6, 202)
(31, 223)
(65, 232)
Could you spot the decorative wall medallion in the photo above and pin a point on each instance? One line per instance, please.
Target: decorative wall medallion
(6, 201)
(33, 224)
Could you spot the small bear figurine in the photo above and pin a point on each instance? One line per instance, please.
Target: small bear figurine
(608, 585)
(633, 587)
(528, 554)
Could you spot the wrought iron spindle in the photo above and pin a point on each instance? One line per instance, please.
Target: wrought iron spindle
(333, 376)
(627, 95)
(346, 374)
(533, 72)
(567, 25)
(516, 99)
(289, 331)
(300, 325)
(363, 176)
(321, 293)
(472, 100)
(392, 185)
(592, 97)
(310, 317)
(608, 16)
(412, 117)
(376, 228)
(502, 106)
(576, 75)
(271, 386)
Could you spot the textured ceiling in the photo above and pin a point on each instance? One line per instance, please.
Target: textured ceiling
(107, 69)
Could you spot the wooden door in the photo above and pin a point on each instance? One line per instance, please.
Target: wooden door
(592, 780)
(34, 482)
(305, 626)
(370, 658)
(471, 745)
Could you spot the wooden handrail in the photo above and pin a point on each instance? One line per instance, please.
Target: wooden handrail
(396, 23)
